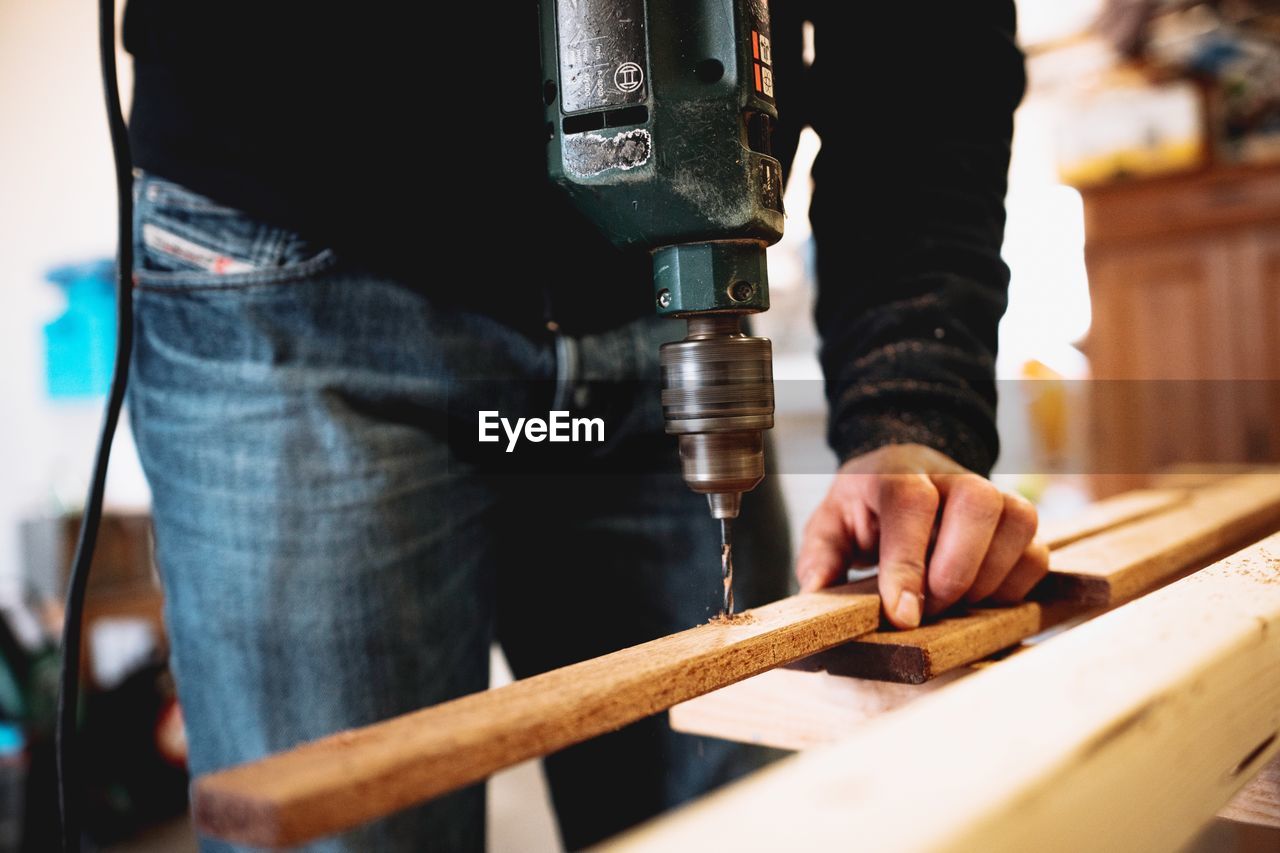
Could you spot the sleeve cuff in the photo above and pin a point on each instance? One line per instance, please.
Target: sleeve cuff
(855, 431)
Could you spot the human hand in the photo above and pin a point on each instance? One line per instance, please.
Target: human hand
(885, 506)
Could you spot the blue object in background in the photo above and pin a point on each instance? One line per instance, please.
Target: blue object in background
(13, 783)
(80, 345)
(12, 741)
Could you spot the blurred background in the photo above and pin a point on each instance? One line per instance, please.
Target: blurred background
(1141, 335)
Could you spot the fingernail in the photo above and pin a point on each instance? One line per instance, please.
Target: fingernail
(908, 610)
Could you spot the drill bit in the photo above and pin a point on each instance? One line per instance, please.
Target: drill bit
(726, 566)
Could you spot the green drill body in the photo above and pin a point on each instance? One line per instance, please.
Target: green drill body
(659, 117)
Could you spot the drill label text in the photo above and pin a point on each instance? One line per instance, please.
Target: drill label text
(556, 427)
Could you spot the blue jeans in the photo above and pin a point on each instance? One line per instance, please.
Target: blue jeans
(335, 550)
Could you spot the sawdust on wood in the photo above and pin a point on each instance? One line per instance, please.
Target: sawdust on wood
(745, 618)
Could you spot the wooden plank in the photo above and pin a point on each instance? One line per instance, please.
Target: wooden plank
(796, 709)
(1108, 513)
(1126, 733)
(356, 776)
(799, 709)
(937, 647)
(1094, 573)
(790, 709)
(1257, 803)
(808, 711)
(1116, 566)
(1197, 475)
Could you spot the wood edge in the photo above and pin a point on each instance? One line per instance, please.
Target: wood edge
(904, 664)
(1258, 802)
(1065, 587)
(907, 657)
(230, 816)
(1194, 477)
(974, 642)
(1174, 497)
(225, 808)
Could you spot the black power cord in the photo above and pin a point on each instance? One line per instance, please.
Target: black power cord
(69, 790)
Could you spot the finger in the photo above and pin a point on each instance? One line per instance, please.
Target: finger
(1013, 534)
(825, 548)
(906, 506)
(1026, 573)
(850, 493)
(971, 509)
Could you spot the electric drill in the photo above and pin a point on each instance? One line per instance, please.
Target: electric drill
(659, 119)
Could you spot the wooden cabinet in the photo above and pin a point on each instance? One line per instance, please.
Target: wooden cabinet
(1184, 274)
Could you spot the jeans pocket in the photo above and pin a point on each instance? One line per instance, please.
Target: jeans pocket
(184, 241)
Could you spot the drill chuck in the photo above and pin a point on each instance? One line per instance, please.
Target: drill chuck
(717, 398)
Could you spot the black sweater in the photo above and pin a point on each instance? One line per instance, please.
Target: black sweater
(352, 122)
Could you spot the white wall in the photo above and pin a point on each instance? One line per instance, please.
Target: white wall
(57, 204)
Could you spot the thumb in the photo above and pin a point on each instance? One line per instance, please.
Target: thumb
(906, 505)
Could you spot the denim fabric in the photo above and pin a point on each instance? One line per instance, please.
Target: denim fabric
(333, 551)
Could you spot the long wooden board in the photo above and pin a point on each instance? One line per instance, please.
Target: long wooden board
(793, 710)
(1100, 571)
(1108, 513)
(1116, 566)
(1128, 732)
(356, 776)
(790, 709)
(1198, 475)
